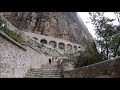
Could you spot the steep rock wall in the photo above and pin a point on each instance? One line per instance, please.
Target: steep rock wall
(64, 25)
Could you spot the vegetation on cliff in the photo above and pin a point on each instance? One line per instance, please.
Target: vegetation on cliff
(63, 25)
(107, 44)
(108, 34)
(89, 56)
(17, 37)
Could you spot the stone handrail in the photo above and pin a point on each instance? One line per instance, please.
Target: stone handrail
(16, 43)
(31, 47)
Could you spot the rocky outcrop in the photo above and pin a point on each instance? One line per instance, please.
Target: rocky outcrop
(65, 25)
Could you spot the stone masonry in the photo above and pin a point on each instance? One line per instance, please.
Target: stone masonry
(15, 62)
(104, 69)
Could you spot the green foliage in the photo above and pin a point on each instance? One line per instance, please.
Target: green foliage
(108, 34)
(38, 46)
(1, 22)
(13, 35)
(89, 56)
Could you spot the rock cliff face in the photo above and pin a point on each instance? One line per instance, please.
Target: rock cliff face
(64, 25)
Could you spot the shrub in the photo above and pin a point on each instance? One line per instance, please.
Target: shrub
(17, 37)
(89, 56)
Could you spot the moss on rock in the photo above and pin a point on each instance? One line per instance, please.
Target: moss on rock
(17, 37)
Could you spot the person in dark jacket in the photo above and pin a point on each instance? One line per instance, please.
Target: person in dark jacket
(49, 61)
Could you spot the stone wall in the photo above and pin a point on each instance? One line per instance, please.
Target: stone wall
(105, 69)
(15, 62)
(66, 63)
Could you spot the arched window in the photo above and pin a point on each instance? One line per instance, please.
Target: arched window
(43, 41)
(53, 44)
(61, 36)
(79, 48)
(75, 48)
(61, 46)
(69, 47)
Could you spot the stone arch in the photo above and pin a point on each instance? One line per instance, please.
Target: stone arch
(53, 44)
(61, 36)
(75, 48)
(44, 41)
(61, 46)
(69, 47)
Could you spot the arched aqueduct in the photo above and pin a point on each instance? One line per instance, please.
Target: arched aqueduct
(55, 42)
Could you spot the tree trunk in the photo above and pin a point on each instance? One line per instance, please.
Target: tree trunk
(107, 52)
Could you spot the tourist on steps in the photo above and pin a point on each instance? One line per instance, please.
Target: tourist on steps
(49, 61)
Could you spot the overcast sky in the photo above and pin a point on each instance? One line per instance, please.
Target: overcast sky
(85, 17)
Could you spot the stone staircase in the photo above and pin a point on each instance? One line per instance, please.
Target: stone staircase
(51, 71)
(46, 71)
(33, 73)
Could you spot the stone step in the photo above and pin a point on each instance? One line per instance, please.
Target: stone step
(56, 77)
(51, 75)
(29, 76)
(33, 72)
(52, 70)
(43, 75)
(32, 77)
(39, 76)
(46, 71)
(49, 66)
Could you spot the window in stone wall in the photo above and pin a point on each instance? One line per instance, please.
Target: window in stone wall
(53, 44)
(75, 48)
(61, 36)
(79, 48)
(43, 41)
(69, 47)
(61, 46)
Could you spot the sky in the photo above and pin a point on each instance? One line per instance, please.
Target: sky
(85, 17)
